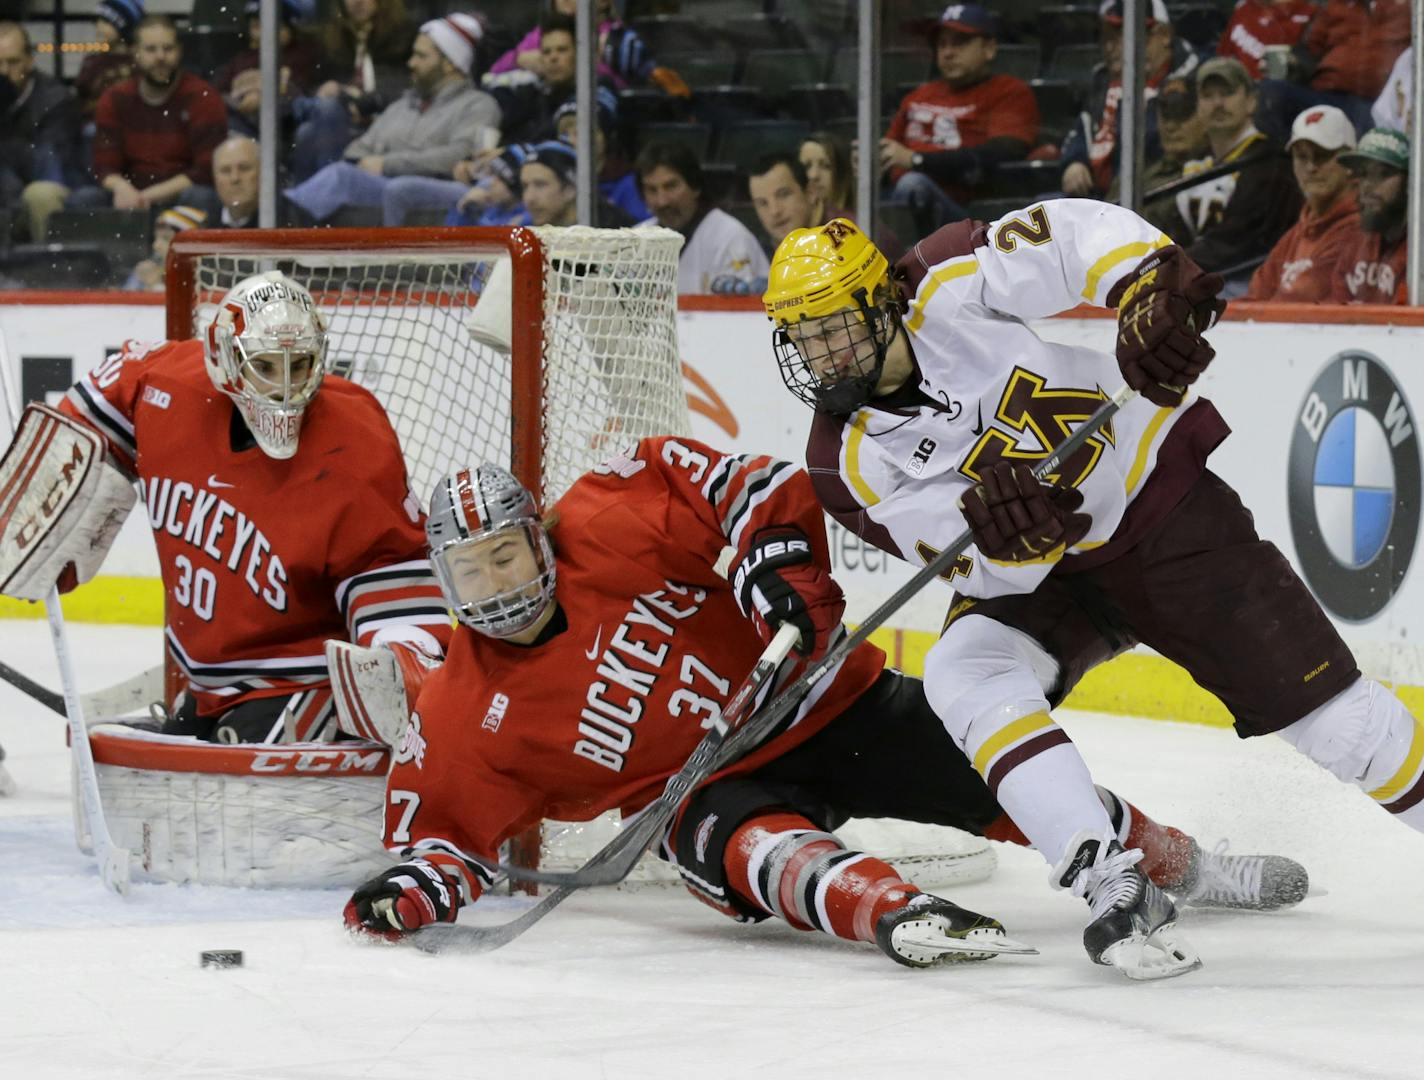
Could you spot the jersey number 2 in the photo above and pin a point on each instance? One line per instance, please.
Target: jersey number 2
(1035, 230)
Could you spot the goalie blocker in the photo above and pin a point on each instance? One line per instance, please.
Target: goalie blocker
(61, 505)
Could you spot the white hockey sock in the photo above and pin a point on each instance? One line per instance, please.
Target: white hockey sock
(1366, 737)
(1039, 778)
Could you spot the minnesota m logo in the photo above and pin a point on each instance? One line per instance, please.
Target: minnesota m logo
(1047, 415)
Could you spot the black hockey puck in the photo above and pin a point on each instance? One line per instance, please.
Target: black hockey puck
(222, 958)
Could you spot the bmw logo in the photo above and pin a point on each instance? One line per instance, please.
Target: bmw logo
(1354, 486)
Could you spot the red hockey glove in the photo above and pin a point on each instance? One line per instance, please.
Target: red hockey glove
(1163, 308)
(777, 581)
(404, 898)
(1015, 518)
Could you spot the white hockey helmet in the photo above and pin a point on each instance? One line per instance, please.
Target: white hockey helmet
(490, 550)
(266, 349)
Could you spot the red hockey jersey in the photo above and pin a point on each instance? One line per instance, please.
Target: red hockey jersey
(263, 560)
(601, 714)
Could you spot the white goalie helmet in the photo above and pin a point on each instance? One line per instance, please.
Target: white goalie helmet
(266, 349)
(490, 550)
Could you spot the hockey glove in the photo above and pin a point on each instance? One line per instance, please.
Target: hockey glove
(404, 898)
(1163, 308)
(777, 581)
(1017, 519)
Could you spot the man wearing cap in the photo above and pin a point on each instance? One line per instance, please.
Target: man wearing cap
(39, 133)
(442, 119)
(1372, 269)
(1302, 266)
(1236, 218)
(1183, 139)
(1091, 157)
(949, 133)
(548, 180)
(720, 254)
(114, 23)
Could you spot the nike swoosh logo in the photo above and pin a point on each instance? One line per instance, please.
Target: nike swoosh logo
(593, 653)
(214, 482)
(979, 419)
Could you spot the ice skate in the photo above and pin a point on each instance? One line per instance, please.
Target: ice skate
(1133, 923)
(929, 929)
(1250, 882)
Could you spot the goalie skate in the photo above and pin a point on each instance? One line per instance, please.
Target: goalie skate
(929, 929)
(1250, 882)
(1133, 921)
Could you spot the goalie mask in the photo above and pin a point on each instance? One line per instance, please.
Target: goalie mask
(490, 551)
(836, 311)
(266, 349)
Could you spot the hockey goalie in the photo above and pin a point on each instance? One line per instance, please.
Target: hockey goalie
(280, 509)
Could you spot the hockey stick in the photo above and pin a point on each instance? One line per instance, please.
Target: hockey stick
(113, 860)
(705, 760)
(444, 938)
(123, 697)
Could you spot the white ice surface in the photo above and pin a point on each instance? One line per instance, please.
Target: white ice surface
(656, 985)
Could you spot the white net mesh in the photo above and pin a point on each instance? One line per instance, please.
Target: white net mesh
(399, 327)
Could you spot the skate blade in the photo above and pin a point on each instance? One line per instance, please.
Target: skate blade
(981, 944)
(1146, 958)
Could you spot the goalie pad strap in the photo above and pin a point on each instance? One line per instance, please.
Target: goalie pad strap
(61, 504)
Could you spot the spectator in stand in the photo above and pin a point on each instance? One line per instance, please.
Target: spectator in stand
(830, 177)
(365, 48)
(1373, 268)
(548, 181)
(114, 22)
(1302, 267)
(721, 255)
(1258, 25)
(1394, 107)
(442, 119)
(781, 196)
(154, 134)
(1237, 218)
(624, 59)
(616, 187)
(949, 133)
(1343, 60)
(1183, 138)
(494, 199)
(299, 55)
(529, 101)
(237, 177)
(39, 134)
(147, 276)
(1091, 160)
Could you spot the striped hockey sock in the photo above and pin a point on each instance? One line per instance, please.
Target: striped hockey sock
(783, 864)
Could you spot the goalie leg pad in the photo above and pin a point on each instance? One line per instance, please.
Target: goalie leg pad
(61, 504)
(1365, 736)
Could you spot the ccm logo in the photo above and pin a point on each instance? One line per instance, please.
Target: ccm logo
(36, 525)
(342, 761)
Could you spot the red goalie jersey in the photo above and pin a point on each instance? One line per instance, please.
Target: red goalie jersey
(645, 651)
(263, 560)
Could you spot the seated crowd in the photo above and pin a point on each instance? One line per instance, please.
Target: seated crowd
(1275, 150)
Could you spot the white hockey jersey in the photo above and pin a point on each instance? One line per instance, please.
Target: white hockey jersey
(987, 388)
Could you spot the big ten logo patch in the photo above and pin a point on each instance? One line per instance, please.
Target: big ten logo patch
(158, 398)
(494, 716)
(921, 457)
(1353, 486)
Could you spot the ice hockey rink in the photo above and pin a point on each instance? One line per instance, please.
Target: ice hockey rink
(652, 984)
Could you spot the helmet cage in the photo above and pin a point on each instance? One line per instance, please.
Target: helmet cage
(797, 355)
(510, 611)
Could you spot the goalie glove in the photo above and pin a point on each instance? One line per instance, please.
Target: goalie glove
(1163, 308)
(375, 689)
(777, 581)
(406, 897)
(1017, 519)
(61, 505)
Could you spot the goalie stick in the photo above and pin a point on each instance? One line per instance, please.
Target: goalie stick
(123, 697)
(617, 858)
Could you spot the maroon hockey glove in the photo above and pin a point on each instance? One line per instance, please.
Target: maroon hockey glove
(1015, 518)
(401, 899)
(777, 581)
(1163, 308)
